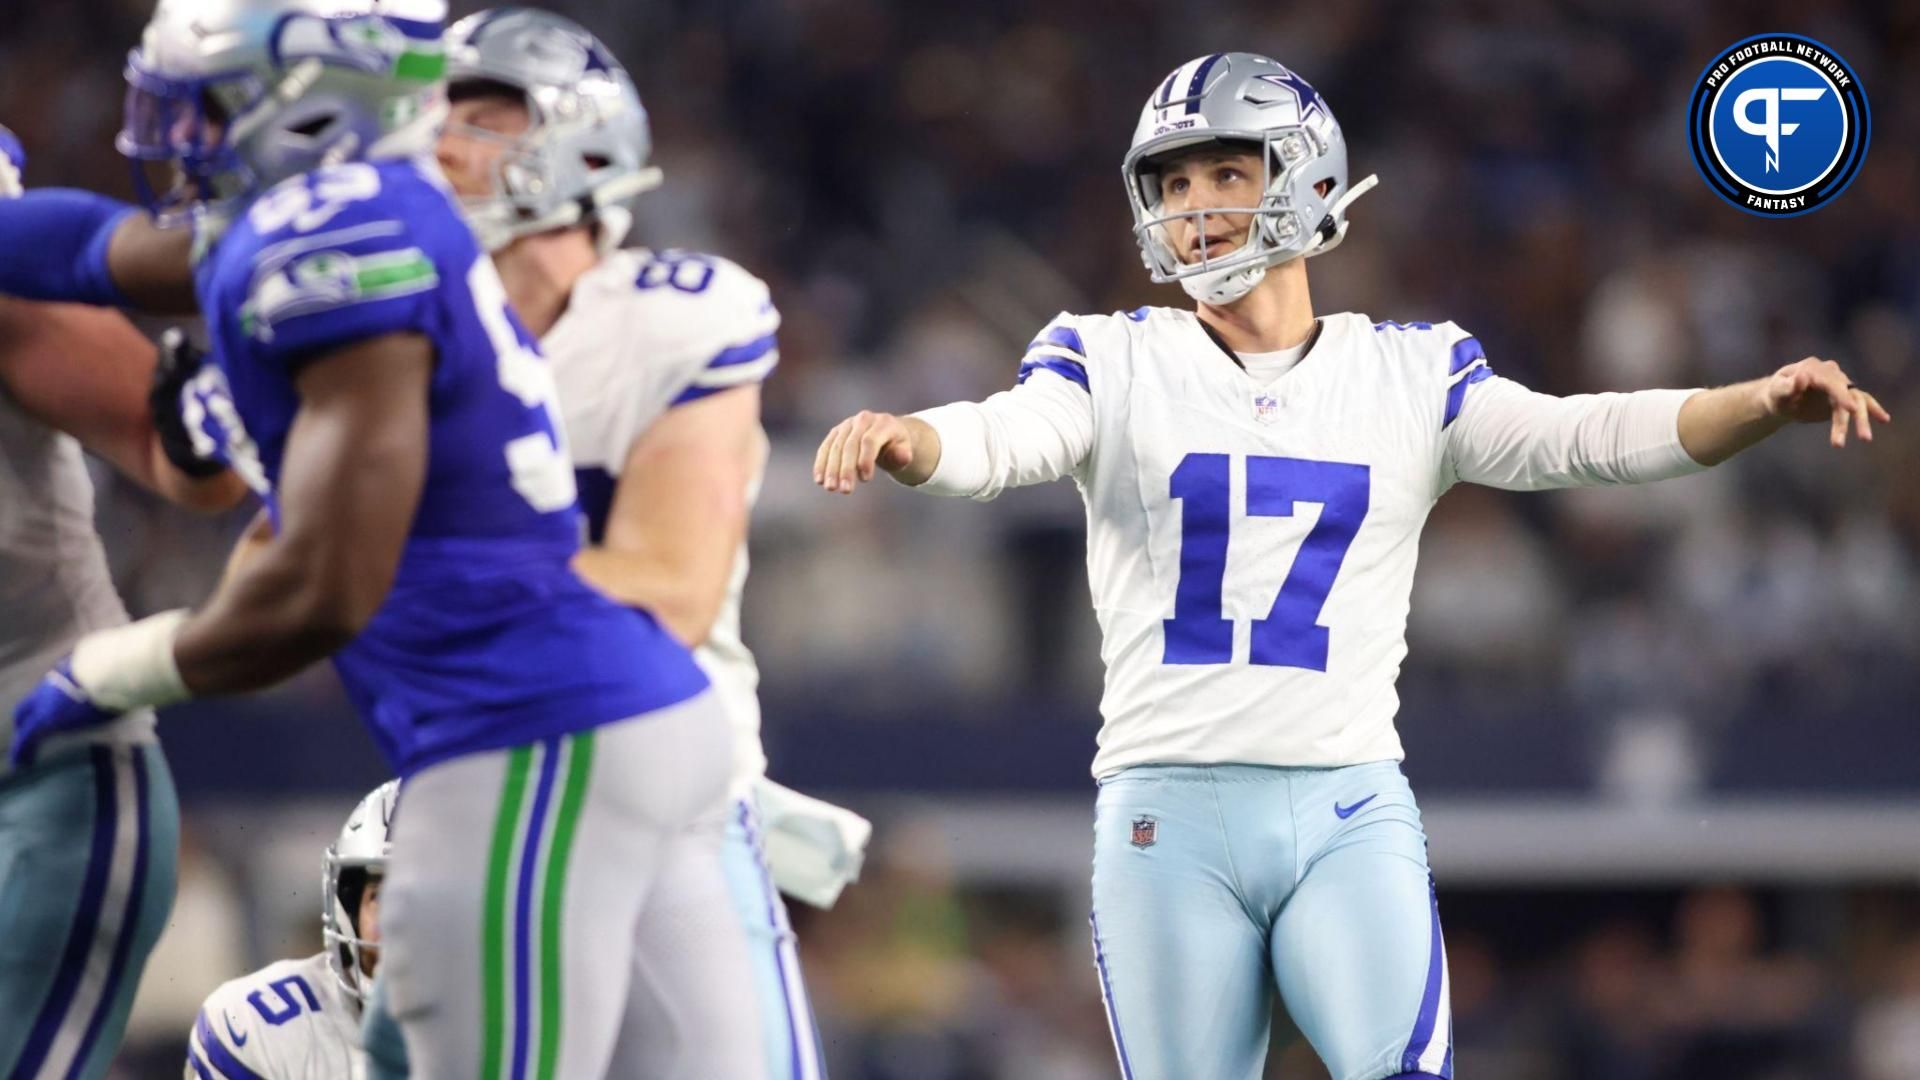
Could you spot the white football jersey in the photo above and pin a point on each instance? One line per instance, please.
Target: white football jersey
(1251, 547)
(643, 332)
(288, 1021)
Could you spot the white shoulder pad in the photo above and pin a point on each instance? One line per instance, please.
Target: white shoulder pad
(250, 1024)
(702, 323)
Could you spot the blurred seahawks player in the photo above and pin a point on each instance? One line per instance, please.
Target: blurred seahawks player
(300, 1019)
(659, 358)
(1256, 479)
(88, 833)
(559, 751)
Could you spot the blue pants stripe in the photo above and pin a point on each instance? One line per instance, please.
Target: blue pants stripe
(129, 925)
(798, 1065)
(86, 921)
(1106, 994)
(1423, 1033)
(523, 915)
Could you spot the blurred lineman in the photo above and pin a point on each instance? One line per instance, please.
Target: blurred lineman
(1256, 479)
(89, 832)
(659, 357)
(371, 383)
(300, 1019)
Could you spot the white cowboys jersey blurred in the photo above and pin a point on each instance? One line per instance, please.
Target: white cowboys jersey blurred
(288, 1021)
(1250, 547)
(644, 332)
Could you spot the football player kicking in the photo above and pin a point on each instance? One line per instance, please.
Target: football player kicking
(1256, 479)
(559, 751)
(300, 1019)
(659, 357)
(88, 833)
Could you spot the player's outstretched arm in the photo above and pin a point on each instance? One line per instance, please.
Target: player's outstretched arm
(79, 247)
(906, 448)
(1717, 424)
(680, 512)
(86, 372)
(355, 463)
(350, 480)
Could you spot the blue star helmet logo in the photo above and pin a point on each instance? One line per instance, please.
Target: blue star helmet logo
(1303, 92)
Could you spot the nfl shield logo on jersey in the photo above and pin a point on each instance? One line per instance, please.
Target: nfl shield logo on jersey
(1144, 829)
(1266, 407)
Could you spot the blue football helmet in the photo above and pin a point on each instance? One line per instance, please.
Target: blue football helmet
(241, 94)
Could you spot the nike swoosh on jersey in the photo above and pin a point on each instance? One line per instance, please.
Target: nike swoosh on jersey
(239, 1040)
(1345, 812)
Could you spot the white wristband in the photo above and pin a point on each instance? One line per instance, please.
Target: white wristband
(132, 666)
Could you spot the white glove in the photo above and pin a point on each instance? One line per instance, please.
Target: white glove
(814, 848)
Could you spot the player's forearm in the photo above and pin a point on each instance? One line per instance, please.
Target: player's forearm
(1717, 424)
(279, 612)
(687, 602)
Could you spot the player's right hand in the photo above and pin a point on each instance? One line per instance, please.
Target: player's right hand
(857, 446)
(13, 162)
(177, 362)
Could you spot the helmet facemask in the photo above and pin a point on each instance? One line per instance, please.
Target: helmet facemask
(1277, 229)
(528, 171)
(350, 955)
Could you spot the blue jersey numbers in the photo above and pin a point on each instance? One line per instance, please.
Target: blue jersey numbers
(1291, 634)
(289, 995)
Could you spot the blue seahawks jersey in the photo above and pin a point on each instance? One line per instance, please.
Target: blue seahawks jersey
(488, 639)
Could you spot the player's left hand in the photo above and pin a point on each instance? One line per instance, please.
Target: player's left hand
(59, 704)
(1815, 390)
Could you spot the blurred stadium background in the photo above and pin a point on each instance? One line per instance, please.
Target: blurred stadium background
(1666, 739)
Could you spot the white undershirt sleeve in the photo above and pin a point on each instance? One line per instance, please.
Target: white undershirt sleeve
(1038, 431)
(1507, 436)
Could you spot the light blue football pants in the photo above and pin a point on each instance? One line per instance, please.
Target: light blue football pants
(89, 844)
(785, 1015)
(1215, 886)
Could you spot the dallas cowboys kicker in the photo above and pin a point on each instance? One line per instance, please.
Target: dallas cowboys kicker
(372, 384)
(300, 1019)
(1256, 480)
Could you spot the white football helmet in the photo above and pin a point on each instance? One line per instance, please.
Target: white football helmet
(241, 94)
(584, 155)
(356, 855)
(1242, 98)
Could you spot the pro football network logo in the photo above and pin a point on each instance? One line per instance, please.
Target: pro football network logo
(1779, 125)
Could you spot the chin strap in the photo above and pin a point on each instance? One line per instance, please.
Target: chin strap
(1338, 212)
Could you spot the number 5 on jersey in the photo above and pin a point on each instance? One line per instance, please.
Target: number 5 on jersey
(1291, 634)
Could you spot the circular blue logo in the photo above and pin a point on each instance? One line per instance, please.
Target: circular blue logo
(1779, 125)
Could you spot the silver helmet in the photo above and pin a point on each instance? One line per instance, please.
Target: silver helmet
(357, 855)
(1247, 98)
(241, 94)
(584, 154)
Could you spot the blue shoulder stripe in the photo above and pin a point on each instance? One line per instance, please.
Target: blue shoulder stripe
(1061, 337)
(221, 1058)
(1465, 351)
(1457, 396)
(743, 354)
(1071, 370)
(199, 1067)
